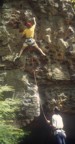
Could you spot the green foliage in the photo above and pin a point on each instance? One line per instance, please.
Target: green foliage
(8, 109)
(10, 134)
(72, 0)
(73, 3)
(5, 88)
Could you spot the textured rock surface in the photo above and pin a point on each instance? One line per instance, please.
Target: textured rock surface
(55, 74)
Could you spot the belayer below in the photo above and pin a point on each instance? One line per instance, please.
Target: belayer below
(57, 127)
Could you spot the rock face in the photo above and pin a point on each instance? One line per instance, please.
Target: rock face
(51, 79)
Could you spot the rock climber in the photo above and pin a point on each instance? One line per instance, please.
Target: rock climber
(28, 33)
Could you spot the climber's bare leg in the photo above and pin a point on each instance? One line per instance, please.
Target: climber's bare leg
(22, 49)
(18, 55)
(37, 47)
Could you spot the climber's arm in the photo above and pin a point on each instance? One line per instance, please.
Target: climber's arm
(34, 21)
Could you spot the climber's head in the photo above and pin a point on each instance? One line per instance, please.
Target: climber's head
(29, 24)
(56, 110)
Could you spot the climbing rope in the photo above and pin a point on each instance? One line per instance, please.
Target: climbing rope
(36, 84)
(34, 73)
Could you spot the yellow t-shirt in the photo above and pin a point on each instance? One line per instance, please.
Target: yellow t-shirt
(29, 32)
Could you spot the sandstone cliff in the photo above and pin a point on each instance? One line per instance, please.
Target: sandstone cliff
(55, 73)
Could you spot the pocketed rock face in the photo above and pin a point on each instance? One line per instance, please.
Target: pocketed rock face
(55, 74)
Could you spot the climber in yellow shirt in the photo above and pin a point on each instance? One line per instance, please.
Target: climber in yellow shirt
(28, 33)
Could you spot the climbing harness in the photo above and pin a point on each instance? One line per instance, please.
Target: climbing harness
(29, 41)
